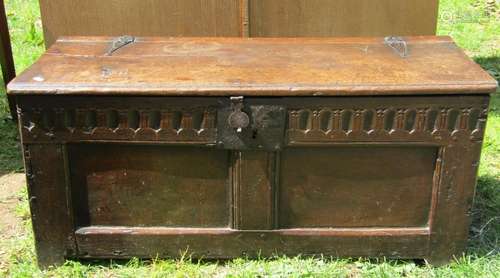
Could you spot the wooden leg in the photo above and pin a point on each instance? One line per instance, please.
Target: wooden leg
(6, 59)
(450, 226)
(50, 209)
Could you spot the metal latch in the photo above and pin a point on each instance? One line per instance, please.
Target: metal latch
(250, 124)
(238, 119)
(398, 44)
(119, 43)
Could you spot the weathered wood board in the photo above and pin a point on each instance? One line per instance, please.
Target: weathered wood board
(199, 18)
(326, 18)
(235, 18)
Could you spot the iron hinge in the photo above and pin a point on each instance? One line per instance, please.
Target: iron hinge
(398, 44)
(119, 43)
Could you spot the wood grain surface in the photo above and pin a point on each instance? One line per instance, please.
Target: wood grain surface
(127, 185)
(254, 66)
(140, 18)
(235, 18)
(51, 210)
(327, 18)
(321, 187)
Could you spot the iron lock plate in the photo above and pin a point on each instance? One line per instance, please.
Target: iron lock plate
(265, 129)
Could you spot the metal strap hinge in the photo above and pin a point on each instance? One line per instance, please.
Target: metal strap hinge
(398, 44)
(119, 43)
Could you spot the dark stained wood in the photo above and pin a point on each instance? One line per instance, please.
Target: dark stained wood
(132, 185)
(311, 121)
(136, 163)
(6, 58)
(141, 18)
(98, 242)
(458, 166)
(254, 67)
(190, 121)
(323, 121)
(51, 213)
(253, 180)
(342, 179)
(327, 18)
(366, 186)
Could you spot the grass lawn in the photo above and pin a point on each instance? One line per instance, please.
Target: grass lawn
(474, 24)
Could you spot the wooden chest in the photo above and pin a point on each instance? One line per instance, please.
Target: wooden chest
(145, 147)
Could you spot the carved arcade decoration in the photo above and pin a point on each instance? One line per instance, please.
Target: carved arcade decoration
(430, 123)
(170, 124)
(354, 119)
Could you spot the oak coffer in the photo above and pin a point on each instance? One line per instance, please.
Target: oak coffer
(218, 147)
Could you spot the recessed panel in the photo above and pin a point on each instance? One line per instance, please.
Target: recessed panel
(137, 185)
(374, 186)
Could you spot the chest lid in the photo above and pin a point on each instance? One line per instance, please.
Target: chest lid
(254, 67)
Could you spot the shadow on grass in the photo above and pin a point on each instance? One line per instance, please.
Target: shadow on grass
(484, 236)
(495, 105)
(10, 147)
(491, 65)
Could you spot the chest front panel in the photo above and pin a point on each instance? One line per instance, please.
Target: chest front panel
(148, 169)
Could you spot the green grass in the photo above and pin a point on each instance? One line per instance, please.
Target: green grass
(475, 25)
(27, 43)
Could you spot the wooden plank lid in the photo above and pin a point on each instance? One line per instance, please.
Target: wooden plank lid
(254, 67)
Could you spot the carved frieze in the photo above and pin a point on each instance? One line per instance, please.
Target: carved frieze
(73, 123)
(309, 120)
(385, 122)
